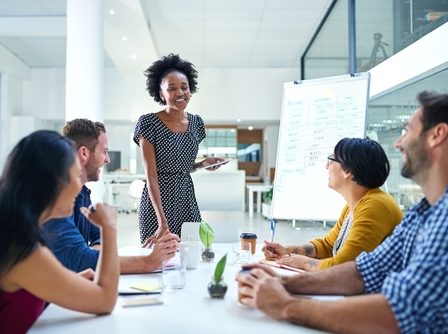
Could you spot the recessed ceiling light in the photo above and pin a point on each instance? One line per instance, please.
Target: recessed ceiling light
(112, 12)
(124, 38)
(133, 57)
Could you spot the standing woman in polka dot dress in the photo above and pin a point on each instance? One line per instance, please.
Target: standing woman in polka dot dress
(169, 142)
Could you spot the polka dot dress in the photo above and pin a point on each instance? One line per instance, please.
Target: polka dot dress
(175, 156)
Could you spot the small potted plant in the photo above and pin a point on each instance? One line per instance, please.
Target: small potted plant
(217, 288)
(207, 235)
(267, 202)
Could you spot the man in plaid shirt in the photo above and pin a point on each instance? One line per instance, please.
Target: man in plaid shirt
(402, 286)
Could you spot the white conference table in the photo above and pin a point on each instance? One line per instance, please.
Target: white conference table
(258, 188)
(189, 310)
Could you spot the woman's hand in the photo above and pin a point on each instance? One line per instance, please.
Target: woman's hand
(211, 161)
(273, 251)
(300, 262)
(164, 249)
(161, 230)
(87, 274)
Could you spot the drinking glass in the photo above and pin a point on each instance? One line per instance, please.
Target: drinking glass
(174, 273)
(245, 252)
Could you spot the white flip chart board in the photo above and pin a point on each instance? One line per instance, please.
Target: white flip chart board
(316, 114)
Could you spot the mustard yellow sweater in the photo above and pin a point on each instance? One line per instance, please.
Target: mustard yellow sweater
(374, 218)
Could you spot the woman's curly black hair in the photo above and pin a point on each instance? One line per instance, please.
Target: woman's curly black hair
(157, 71)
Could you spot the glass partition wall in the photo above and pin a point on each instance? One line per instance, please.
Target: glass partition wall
(386, 118)
(383, 28)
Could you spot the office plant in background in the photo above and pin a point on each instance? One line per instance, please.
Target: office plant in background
(266, 203)
(207, 236)
(217, 288)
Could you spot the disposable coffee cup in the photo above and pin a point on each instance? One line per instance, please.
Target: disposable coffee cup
(249, 237)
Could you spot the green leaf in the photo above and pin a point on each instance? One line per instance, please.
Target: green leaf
(219, 270)
(267, 196)
(206, 234)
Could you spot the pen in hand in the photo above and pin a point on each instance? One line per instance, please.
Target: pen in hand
(273, 225)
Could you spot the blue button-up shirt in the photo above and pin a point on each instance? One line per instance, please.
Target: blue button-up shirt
(410, 268)
(70, 238)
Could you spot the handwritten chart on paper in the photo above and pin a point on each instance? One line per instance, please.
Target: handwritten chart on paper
(316, 114)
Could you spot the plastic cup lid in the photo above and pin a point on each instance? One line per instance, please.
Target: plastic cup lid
(248, 236)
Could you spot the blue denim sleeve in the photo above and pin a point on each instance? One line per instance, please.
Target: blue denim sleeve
(68, 245)
(95, 235)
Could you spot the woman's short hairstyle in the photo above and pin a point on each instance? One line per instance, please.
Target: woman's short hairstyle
(35, 172)
(365, 159)
(167, 64)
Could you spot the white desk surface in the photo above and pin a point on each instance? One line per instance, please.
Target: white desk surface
(189, 310)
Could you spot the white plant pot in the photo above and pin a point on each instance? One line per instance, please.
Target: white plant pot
(266, 210)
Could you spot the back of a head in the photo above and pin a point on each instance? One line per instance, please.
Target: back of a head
(34, 173)
(84, 132)
(435, 108)
(365, 159)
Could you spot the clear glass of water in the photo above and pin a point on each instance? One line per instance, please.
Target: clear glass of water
(174, 273)
(245, 253)
(236, 251)
(241, 253)
(173, 277)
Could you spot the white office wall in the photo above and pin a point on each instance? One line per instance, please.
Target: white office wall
(10, 64)
(119, 137)
(11, 104)
(227, 94)
(248, 94)
(270, 135)
(44, 94)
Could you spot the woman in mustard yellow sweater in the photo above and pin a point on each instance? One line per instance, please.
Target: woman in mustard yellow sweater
(356, 170)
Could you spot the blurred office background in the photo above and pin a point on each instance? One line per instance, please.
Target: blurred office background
(244, 52)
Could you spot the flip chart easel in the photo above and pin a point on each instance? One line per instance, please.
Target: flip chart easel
(316, 114)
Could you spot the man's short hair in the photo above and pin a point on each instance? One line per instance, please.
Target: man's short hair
(84, 132)
(434, 109)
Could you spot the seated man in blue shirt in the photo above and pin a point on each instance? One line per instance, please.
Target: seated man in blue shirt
(74, 240)
(402, 285)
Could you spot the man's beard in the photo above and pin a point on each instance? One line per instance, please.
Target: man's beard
(415, 164)
(92, 173)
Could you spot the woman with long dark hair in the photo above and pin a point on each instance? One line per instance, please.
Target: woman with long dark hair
(40, 180)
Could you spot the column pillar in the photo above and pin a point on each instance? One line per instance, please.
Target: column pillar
(84, 60)
(85, 68)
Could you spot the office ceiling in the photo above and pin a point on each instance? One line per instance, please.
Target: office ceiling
(210, 33)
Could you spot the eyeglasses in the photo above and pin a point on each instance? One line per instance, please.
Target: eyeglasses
(331, 159)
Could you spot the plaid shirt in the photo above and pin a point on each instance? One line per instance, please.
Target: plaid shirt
(410, 268)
